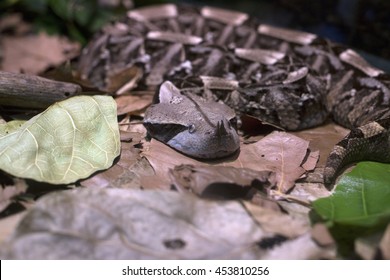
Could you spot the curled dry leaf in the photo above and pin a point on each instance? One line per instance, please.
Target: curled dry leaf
(122, 80)
(135, 224)
(220, 181)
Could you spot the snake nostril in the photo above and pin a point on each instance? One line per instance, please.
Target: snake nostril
(191, 128)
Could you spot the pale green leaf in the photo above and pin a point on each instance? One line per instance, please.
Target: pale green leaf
(10, 127)
(69, 141)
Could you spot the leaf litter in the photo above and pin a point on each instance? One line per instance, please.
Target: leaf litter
(132, 103)
(152, 165)
(220, 181)
(133, 224)
(126, 173)
(280, 154)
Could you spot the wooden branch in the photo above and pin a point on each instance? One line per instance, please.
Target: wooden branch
(30, 91)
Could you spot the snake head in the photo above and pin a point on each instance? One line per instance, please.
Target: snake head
(192, 126)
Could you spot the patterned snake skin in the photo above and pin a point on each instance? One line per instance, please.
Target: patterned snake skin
(291, 79)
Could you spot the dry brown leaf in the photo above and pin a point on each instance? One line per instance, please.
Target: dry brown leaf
(134, 224)
(303, 193)
(125, 173)
(136, 126)
(127, 104)
(280, 152)
(261, 199)
(251, 156)
(277, 222)
(298, 202)
(323, 138)
(220, 181)
(123, 80)
(35, 53)
(310, 191)
(311, 162)
(129, 136)
(163, 158)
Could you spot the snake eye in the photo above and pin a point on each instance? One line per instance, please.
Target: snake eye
(191, 128)
(233, 123)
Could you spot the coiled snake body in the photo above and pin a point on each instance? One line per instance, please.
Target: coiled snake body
(212, 63)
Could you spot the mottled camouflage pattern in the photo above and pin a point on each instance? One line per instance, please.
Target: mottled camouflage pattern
(291, 79)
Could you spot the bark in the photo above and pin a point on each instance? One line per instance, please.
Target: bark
(30, 91)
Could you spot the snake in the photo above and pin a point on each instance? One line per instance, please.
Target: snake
(209, 66)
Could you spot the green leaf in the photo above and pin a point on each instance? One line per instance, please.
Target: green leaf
(10, 127)
(62, 8)
(362, 197)
(84, 13)
(37, 6)
(69, 141)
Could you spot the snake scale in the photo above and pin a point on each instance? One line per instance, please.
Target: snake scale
(209, 64)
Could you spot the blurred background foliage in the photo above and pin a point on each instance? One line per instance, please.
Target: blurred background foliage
(362, 24)
(77, 19)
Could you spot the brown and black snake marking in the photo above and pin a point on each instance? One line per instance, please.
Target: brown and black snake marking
(288, 78)
(369, 142)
